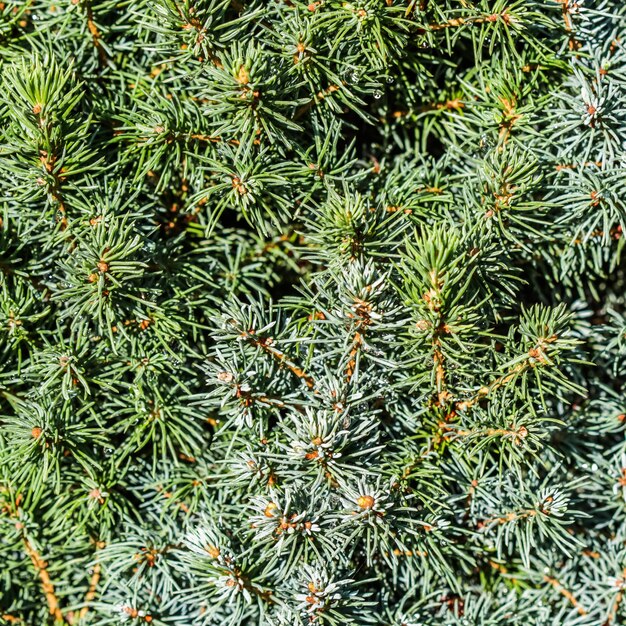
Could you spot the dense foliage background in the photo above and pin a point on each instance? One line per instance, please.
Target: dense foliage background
(312, 313)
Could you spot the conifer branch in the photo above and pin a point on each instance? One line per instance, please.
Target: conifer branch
(94, 31)
(615, 607)
(517, 435)
(332, 321)
(566, 8)
(565, 593)
(92, 590)
(536, 357)
(319, 97)
(49, 163)
(455, 22)
(41, 568)
(265, 343)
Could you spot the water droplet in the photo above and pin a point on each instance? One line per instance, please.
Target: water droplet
(378, 95)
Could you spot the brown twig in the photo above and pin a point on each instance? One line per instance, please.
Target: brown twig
(569, 25)
(509, 517)
(483, 392)
(620, 583)
(462, 21)
(318, 98)
(49, 163)
(613, 612)
(172, 136)
(90, 596)
(518, 434)
(565, 593)
(12, 509)
(265, 343)
(249, 399)
(92, 27)
(168, 495)
(357, 342)
(449, 105)
(572, 166)
(46, 583)
(440, 374)
(432, 298)
(362, 314)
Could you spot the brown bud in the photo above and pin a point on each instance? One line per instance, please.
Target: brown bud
(269, 509)
(422, 325)
(365, 502)
(243, 77)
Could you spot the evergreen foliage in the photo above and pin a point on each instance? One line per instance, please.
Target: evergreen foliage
(312, 313)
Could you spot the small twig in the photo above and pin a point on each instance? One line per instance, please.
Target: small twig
(266, 345)
(49, 163)
(569, 25)
(461, 21)
(357, 342)
(572, 166)
(92, 27)
(509, 517)
(613, 613)
(565, 593)
(483, 392)
(318, 98)
(90, 596)
(517, 435)
(46, 583)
